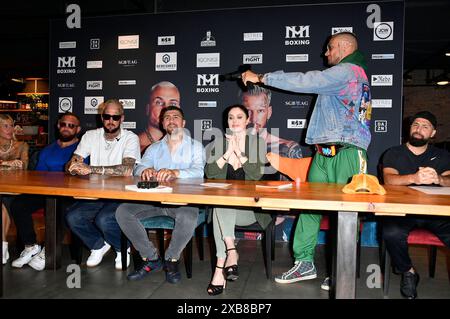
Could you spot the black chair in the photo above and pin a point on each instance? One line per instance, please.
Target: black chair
(268, 242)
(418, 236)
(33, 159)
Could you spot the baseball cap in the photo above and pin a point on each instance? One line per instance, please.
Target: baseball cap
(364, 184)
(425, 115)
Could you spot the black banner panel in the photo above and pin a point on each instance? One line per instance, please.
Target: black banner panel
(123, 57)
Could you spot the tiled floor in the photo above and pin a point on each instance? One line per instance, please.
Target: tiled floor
(105, 282)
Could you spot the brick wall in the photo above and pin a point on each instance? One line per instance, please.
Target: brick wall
(434, 99)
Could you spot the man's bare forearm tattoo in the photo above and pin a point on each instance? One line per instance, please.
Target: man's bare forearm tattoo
(124, 169)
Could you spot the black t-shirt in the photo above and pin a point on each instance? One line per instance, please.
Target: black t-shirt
(405, 162)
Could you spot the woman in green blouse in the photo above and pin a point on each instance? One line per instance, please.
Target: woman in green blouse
(237, 156)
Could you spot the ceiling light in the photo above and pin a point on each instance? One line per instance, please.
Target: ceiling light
(35, 86)
(441, 79)
(447, 53)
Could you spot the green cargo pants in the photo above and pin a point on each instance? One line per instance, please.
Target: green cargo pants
(349, 161)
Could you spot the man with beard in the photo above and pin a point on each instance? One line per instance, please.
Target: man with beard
(176, 155)
(52, 158)
(414, 163)
(113, 151)
(163, 94)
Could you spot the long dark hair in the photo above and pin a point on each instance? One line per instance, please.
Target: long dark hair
(227, 111)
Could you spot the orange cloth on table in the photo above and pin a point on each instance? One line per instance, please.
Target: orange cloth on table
(292, 167)
(364, 184)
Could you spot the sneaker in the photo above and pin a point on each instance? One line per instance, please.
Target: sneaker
(26, 255)
(408, 285)
(302, 270)
(326, 284)
(173, 275)
(96, 255)
(118, 259)
(145, 269)
(38, 261)
(5, 256)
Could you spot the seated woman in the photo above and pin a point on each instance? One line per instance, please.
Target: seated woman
(238, 156)
(13, 155)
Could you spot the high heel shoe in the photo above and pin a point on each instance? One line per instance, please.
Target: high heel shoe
(214, 290)
(231, 272)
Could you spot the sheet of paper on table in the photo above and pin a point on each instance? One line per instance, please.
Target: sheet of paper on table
(274, 185)
(432, 190)
(159, 189)
(216, 185)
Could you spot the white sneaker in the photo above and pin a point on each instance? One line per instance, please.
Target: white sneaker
(26, 255)
(38, 261)
(96, 255)
(118, 259)
(5, 256)
(326, 284)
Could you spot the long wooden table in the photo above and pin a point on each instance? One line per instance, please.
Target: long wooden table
(399, 200)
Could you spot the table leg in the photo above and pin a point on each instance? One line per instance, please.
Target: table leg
(123, 250)
(344, 267)
(1, 249)
(53, 234)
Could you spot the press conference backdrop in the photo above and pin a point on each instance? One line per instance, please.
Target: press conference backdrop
(124, 56)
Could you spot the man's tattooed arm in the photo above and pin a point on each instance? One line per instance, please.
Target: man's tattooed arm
(124, 169)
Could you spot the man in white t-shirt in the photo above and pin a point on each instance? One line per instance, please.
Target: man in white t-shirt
(113, 151)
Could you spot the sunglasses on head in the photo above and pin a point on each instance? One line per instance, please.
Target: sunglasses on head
(69, 125)
(107, 117)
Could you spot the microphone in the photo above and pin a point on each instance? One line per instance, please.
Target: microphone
(236, 75)
(233, 76)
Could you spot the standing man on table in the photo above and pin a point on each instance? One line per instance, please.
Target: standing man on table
(113, 151)
(414, 163)
(339, 129)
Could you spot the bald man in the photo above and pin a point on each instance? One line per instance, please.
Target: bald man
(162, 95)
(338, 128)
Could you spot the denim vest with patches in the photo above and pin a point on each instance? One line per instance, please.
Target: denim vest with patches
(343, 108)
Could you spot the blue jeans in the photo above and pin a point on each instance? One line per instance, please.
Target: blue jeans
(94, 222)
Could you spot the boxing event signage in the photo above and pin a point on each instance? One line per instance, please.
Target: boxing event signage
(124, 56)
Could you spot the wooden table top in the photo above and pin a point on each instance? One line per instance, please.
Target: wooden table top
(399, 200)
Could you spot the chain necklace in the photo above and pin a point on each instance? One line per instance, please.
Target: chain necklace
(109, 143)
(149, 136)
(9, 148)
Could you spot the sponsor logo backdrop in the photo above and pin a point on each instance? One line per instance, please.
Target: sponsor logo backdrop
(124, 56)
